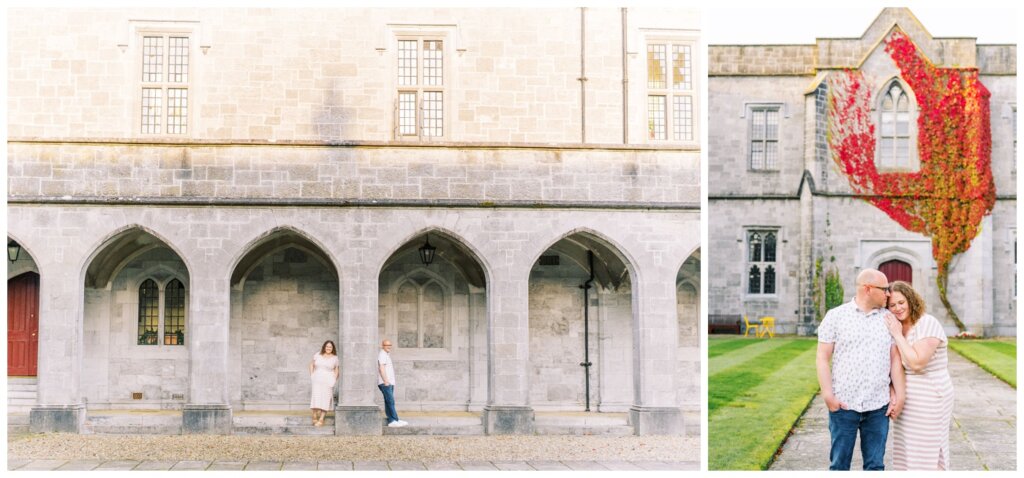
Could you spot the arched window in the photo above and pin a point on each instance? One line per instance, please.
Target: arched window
(149, 312)
(421, 314)
(761, 258)
(895, 112)
(170, 318)
(174, 313)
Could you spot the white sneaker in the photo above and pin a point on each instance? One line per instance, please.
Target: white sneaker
(403, 422)
(395, 424)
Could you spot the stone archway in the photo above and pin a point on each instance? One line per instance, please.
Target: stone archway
(436, 316)
(284, 305)
(136, 324)
(565, 331)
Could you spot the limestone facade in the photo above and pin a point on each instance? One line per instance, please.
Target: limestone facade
(292, 210)
(807, 201)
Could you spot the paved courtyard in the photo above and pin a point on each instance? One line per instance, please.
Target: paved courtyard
(983, 435)
(205, 452)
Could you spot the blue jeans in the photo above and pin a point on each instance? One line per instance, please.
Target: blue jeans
(389, 402)
(874, 428)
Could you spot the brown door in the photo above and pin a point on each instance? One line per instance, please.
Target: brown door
(22, 324)
(895, 270)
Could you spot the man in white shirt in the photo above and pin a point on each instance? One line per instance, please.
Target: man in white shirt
(386, 383)
(864, 362)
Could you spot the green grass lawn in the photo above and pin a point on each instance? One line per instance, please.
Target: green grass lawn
(998, 357)
(757, 389)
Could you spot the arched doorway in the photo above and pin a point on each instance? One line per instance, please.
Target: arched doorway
(896, 269)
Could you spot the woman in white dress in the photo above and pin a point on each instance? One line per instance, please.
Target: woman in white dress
(921, 433)
(323, 373)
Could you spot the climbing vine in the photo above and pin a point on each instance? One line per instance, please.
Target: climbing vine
(953, 190)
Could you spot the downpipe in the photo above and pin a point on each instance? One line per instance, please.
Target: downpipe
(586, 364)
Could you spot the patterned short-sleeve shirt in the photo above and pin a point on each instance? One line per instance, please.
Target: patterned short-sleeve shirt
(860, 359)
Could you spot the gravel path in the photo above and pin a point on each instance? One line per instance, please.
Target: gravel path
(390, 448)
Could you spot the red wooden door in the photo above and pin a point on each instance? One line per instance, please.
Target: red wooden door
(22, 324)
(895, 270)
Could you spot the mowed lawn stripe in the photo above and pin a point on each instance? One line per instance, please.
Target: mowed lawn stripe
(991, 357)
(730, 384)
(723, 362)
(718, 346)
(745, 434)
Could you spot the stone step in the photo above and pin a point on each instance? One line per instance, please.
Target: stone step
(127, 423)
(22, 395)
(425, 424)
(22, 387)
(620, 430)
(247, 423)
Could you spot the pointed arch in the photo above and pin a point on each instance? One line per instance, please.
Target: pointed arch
(275, 240)
(896, 113)
(476, 271)
(120, 247)
(609, 249)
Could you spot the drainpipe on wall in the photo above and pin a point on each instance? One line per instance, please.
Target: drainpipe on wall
(583, 74)
(625, 83)
(586, 364)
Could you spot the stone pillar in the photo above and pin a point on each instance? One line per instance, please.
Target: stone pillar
(59, 407)
(358, 346)
(508, 336)
(970, 283)
(208, 409)
(655, 340)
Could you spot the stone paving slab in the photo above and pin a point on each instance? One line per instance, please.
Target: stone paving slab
(42, 465)
(80, 465)
(370, 465)
(513, 466)
(299, 465)
(983, 434)
(584, 465)
(15, 464)
(406, 465)
(227, 465)
(548, 465)
(118, 465)
(268, 466)
(190, 465)
(155, 465)
(442, 466)
(477, 465)
(620, 466)
(334, 465)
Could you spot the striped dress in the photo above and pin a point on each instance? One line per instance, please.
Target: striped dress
(921, 433)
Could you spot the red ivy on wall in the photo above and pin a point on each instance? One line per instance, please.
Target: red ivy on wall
(953, 190)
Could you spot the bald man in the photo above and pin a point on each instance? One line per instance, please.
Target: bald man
(386, 384)
(864, 385)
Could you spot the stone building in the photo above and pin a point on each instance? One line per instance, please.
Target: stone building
(201, 198)
(773, 186)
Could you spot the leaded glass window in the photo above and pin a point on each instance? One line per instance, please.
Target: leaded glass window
(894, 130)
(174, 313)
(164, 105)
(764, 137)
(149, 312)
(670, 91)
(761, 261)
(421, 88)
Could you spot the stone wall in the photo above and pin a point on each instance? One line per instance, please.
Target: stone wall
(557, 381)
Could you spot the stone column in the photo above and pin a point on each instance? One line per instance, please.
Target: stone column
(655, 340)
(59, 407)
(508, 345)
(358, 345)
(208, 409)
